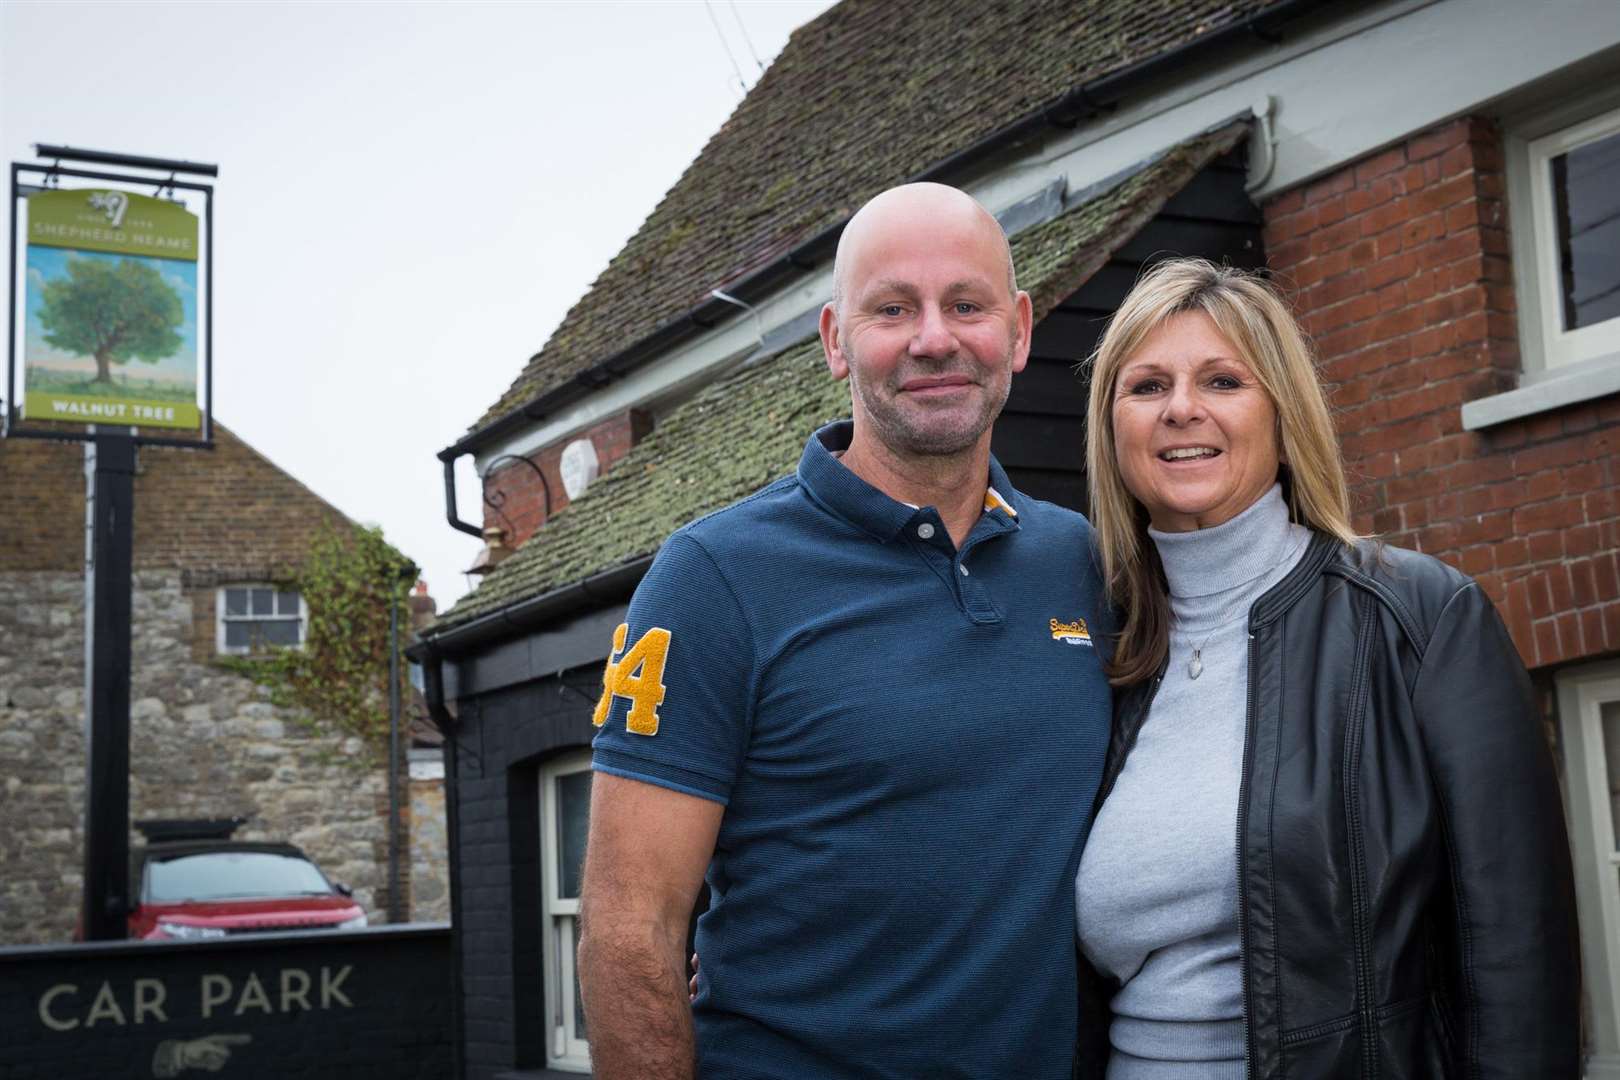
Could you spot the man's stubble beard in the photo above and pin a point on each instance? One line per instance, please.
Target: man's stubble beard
(897, 430)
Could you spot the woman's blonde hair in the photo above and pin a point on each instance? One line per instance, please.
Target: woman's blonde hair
(1257, 322)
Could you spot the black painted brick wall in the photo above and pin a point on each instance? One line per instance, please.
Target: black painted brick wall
(502, 741)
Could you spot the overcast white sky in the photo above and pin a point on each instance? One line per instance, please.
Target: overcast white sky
(410, 196)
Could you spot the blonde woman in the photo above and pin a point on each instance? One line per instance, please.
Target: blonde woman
(1329, 839)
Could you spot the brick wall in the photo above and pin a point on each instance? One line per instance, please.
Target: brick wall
(227, 514)
(518, 491)
(1399, 266)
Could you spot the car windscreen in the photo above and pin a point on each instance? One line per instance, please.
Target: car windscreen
(226, 875)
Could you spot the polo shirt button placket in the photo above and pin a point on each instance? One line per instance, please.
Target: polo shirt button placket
(971, 591)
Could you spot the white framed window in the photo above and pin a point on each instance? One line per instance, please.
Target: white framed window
(565, 799)
(1589, 731)
(1563, 192)
(1574, 182)
(252, 618)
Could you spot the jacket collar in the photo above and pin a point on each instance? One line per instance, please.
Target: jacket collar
(1276, 601)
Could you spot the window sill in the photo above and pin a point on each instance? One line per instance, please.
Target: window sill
(1588, 381)
(1602, 1067)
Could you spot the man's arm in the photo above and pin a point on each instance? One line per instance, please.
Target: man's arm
(644, 863)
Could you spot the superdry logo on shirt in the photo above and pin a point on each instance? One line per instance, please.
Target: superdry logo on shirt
(1071, 633)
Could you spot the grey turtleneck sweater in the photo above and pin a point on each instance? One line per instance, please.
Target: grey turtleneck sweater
(1156, 895)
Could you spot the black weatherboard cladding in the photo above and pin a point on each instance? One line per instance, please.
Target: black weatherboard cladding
(1038, 438)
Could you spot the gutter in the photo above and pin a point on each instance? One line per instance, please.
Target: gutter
(587, 594)
(433, 691)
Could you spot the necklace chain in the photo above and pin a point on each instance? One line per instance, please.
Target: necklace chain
(1195, 663)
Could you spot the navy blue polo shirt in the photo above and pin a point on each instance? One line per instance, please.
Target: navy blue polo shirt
(907, 738)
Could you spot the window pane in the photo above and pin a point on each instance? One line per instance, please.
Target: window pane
(286, 603)
(278, 631)
(263, 602)
(236, 635)
(236, 601)
(573, 809)
(1609, 711)
(1586, 189)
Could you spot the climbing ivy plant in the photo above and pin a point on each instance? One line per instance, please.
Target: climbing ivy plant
(337, 683)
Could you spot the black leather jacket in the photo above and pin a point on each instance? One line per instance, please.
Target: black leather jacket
(1407, 904)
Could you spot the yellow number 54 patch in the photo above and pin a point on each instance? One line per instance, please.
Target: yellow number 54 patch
(637, 675)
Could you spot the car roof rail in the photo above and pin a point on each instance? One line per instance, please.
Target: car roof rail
(162, 830)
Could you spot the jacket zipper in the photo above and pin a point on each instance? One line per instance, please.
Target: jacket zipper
(1249, 1066)
(1358, 853)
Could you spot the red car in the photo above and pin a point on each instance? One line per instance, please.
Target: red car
(190, 887)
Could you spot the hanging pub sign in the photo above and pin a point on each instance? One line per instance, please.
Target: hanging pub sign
(111, 309)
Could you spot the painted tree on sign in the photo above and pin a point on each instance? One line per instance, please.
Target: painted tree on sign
(113, 312)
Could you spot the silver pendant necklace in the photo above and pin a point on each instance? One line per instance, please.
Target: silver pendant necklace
(1195, 665)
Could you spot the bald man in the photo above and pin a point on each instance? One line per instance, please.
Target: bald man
(866, 701)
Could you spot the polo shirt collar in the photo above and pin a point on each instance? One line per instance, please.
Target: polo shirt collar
(861, 504)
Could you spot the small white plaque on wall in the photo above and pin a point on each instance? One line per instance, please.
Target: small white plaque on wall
(579, 467)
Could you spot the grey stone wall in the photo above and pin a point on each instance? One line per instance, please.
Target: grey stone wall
(430, 847)
(204, 742)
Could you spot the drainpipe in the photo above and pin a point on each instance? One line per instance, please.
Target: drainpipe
(396, 909)
(1264, 143)
(439, 713)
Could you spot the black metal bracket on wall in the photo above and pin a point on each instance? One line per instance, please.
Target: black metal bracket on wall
(495, 501)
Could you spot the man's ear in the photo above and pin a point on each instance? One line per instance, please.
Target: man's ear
(1024, 321)
(831, 345)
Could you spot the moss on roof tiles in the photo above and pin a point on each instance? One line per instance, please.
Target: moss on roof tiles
(733, 438)
(746, 430)
(862, 97)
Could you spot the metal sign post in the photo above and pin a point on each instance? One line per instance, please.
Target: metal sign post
(109, 505)
(110, 460)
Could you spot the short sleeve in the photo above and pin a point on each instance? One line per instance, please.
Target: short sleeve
(678, 688)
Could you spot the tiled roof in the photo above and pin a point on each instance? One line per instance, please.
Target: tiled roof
(734, 437)
(868, 94)
(749, 428)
